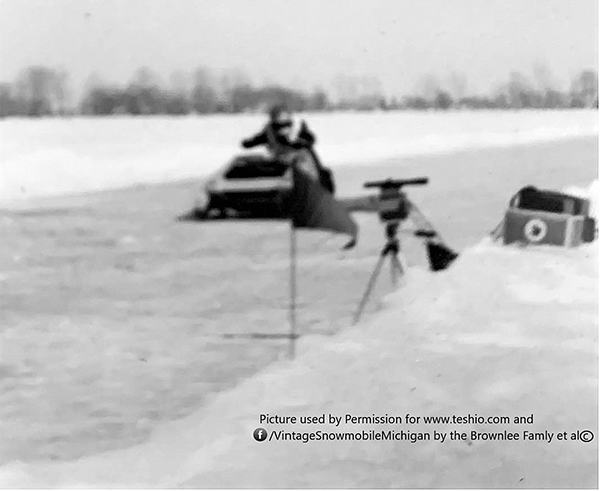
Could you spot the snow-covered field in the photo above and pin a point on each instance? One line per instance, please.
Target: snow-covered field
(116, 320)
(505, 332)
(52, 157)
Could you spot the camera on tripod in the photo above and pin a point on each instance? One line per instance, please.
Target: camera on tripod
(393, 205)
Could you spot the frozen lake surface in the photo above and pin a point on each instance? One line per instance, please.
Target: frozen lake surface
(50, 157)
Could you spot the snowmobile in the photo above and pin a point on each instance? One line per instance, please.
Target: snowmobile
(253, 184)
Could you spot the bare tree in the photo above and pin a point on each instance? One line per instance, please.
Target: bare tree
(457, 83)
(36, 88)
(428, 86)
(233, 89)
(519, 91)
(370, 93)
(8, 104)
(547, 87)
(544, 79)
(204, 96)
(584, 89)
(177, 98)
(318, 100)
(143, 94)
(62, 91)
(145, 77)
(347, 88)
(94, 81)
(239, 78)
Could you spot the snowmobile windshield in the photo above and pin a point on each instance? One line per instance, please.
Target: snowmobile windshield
(253, 168)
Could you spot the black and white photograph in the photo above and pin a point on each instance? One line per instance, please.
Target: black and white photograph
(299, 244)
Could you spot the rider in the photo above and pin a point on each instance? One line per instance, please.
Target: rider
(278, 136)
(277, 133)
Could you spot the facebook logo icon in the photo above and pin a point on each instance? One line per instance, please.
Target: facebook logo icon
(260, 434)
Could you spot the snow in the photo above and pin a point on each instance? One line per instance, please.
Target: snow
(54, 157)
(506, 331)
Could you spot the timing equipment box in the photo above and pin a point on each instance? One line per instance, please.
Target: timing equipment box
(548, 217)
(539, 227)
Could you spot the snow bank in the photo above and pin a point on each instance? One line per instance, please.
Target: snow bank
(506, 331)
(592, 193)
(53, 157)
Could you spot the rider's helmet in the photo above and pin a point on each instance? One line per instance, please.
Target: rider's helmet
(280, 116)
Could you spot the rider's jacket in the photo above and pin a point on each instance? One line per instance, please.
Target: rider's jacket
(282, 137)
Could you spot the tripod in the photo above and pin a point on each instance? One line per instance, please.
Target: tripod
(391, 249)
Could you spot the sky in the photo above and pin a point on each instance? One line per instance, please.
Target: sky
(303, 43)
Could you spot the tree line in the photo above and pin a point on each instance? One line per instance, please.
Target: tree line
(45, 91)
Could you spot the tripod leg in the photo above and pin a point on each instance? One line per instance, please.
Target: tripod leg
(397, 269)
(365, 298)
(394, 269)
(425, 222)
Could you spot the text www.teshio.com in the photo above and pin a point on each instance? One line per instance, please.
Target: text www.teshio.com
(468, 419)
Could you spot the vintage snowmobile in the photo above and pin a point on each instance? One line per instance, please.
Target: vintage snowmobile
(255, 185)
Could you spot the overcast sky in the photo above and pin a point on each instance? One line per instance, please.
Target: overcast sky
(302, 42)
